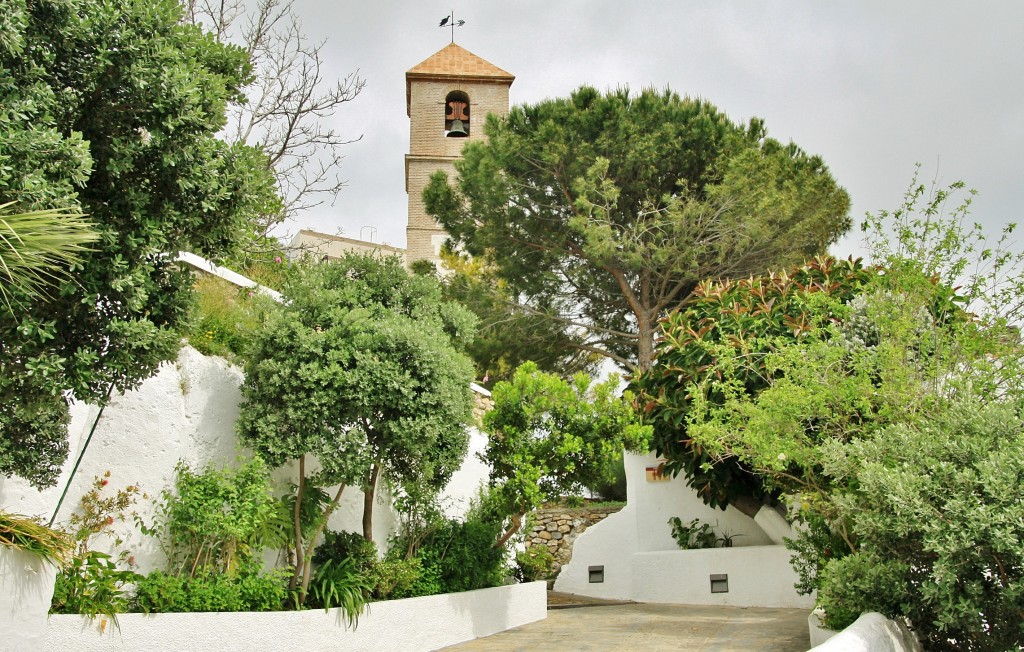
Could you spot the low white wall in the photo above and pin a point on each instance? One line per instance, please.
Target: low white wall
(411, 625)
(758, 576)
(187, 411)
(26, 587)
(872, 632)
(641, 561)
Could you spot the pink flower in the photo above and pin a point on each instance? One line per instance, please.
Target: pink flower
(277, 259)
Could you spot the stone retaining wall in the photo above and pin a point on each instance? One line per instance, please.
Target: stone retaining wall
(558, 527)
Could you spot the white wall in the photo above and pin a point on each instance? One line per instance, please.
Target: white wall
(26, 587)
(643, 562)
(872, 632)
(410, 625)
(187, 411)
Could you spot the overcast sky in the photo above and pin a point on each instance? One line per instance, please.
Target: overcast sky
(872, 87)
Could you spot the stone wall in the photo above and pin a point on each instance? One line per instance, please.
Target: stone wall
(557, 528)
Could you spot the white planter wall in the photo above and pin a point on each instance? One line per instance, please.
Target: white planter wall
(411, 625)
(187, 411)
(26, 588)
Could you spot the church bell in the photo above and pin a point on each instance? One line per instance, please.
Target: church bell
(457, 130)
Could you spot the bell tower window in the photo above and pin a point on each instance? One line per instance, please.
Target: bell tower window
(456, 115)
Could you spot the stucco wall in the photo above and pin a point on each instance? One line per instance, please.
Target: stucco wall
(641, 560)
(188, 412)
(872, 632)
(26, 587)
(410, 625)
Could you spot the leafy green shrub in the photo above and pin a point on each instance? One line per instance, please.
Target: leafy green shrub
(247, 590)
(613, 486)
(338, 546)
(464, 556)
(217, 518)
(92, 584)
(692, 535)
(937, 511)
(535, 563)
(392, 578)
(383, 577)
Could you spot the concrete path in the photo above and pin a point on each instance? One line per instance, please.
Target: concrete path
(654, 628)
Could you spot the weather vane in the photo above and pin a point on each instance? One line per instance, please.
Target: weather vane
(449, 21)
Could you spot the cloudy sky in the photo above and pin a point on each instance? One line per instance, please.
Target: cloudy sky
(872, 87)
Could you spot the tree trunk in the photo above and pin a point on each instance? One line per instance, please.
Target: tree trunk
(307, 569)
(645, 344)
(513, 527)
(368, 493)
(297, 524)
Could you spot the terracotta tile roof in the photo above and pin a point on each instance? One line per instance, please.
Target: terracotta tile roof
(455, 61)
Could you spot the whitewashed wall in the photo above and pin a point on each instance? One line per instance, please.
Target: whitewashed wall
(410, 625)
(641, 561)
(185, 412)
(26, 587)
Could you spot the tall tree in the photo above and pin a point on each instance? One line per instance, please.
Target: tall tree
(601, 212)
(284, 108)
(359, 370)
(111, 108)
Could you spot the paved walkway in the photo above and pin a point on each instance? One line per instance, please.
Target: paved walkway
(654, 628)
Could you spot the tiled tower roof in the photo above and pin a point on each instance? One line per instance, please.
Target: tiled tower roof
(456, 61)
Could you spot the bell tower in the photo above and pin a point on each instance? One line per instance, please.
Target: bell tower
(447, 98)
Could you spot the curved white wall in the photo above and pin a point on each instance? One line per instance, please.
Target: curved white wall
(186, 411)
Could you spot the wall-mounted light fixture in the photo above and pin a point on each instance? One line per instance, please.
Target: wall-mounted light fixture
(596, 574)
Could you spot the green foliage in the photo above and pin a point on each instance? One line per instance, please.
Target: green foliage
(358, 368)
(216, 520)
(509, 335)
(226, 318)
(248, 589)
(92, 584)
(340, 584)
(462, 556)
(602, 212)
(934, 505)
(30, 535)
(895, 419)
(612, 490)
(535, 563)
(550, 437)
(362, 370)
(111, 109)
(339, 546)
(393, 578)
(692, 535)
(728, 330)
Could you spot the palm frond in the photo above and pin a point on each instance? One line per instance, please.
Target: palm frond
(38, 249)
